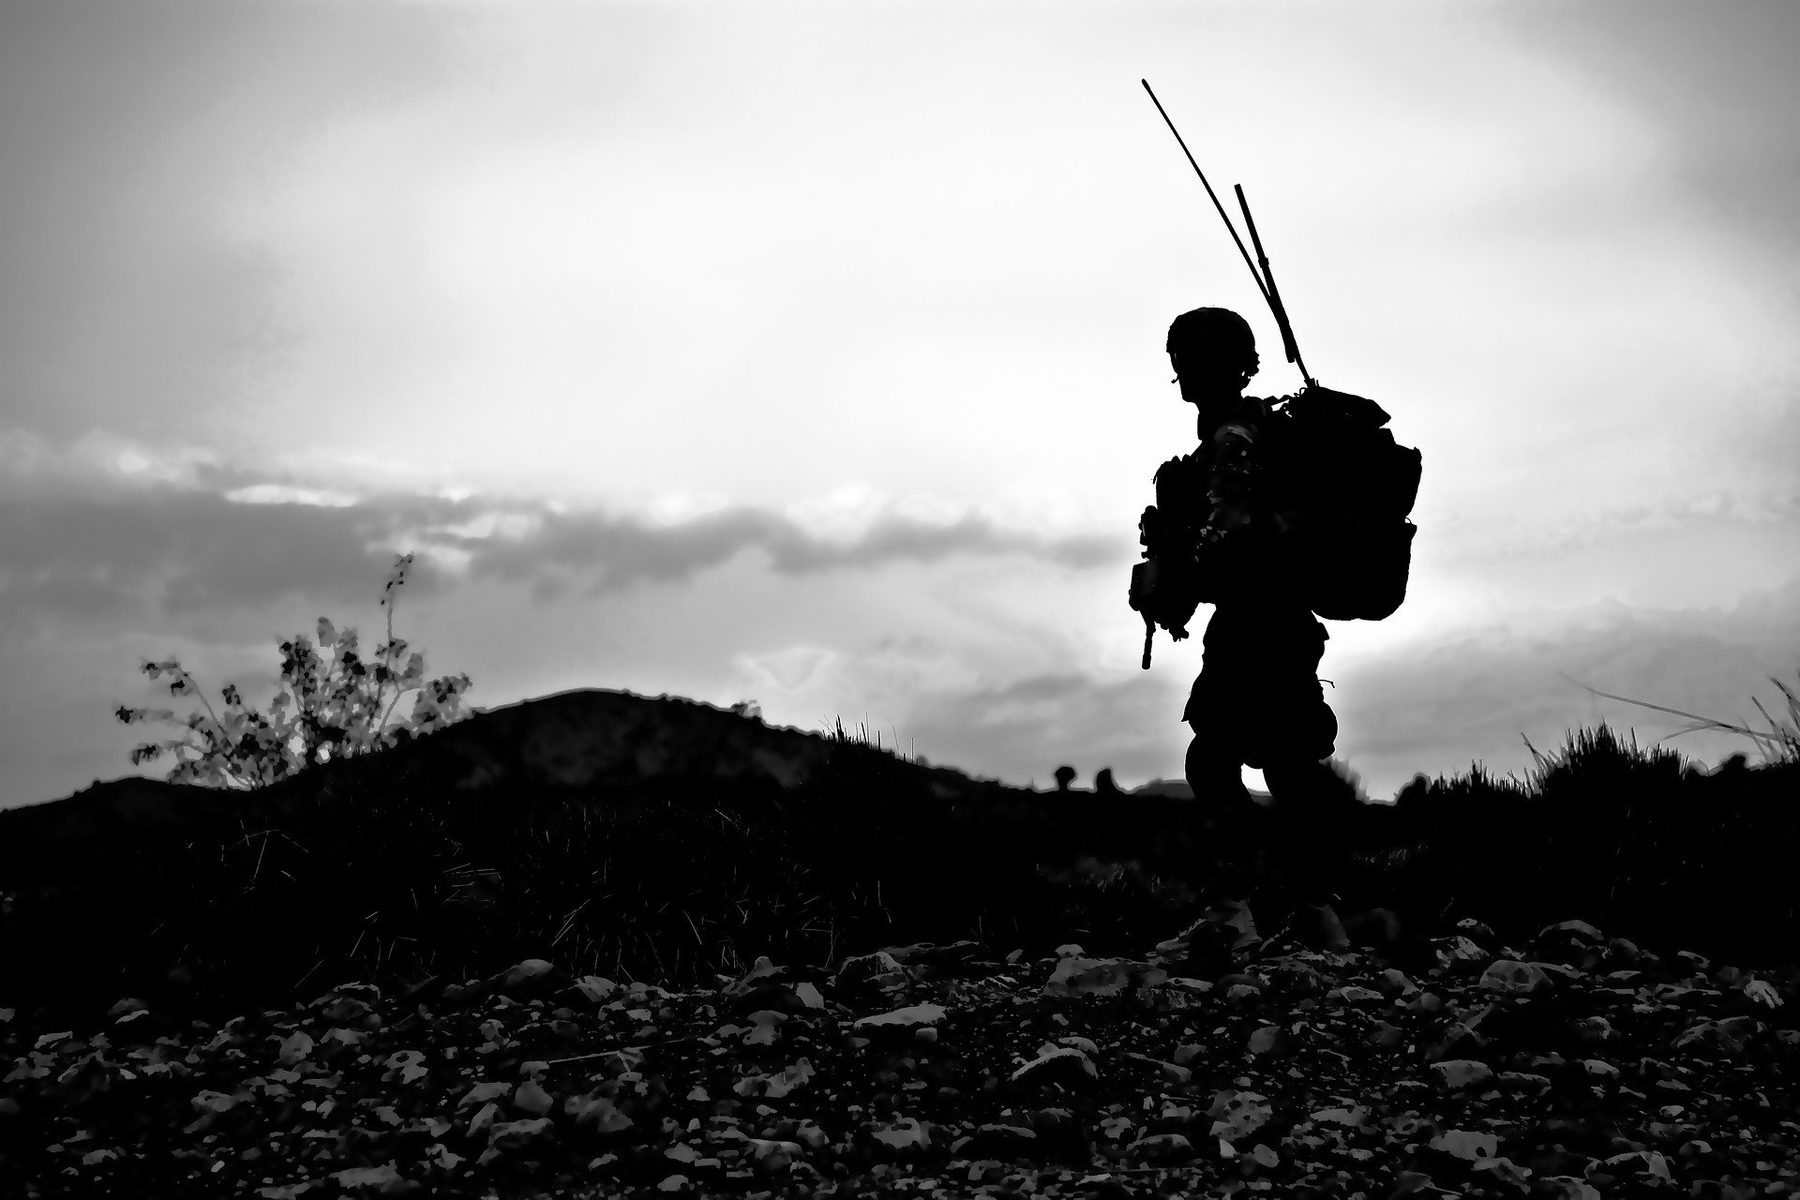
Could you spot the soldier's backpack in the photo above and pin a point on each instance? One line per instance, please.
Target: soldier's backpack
(1337, 489)
(1341, 489)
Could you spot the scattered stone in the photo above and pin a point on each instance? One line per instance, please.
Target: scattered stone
(1459, 954)
(1075, 975)
(1160, 1148)
(996, 1140)
(1509, 977)
(1393, 982)
(1460, 1074)
(1729, 1037)
(879, 969)
(904, 1019)
(1065, 1065)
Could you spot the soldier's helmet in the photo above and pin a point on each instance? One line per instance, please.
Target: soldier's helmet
(1215, 337)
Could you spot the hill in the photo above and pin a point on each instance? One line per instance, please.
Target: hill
(598, 944)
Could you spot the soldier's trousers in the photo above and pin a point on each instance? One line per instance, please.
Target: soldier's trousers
(1258, 702)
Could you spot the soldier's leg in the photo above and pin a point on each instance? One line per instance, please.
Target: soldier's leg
(1215, 776)
(1215, 712)
(1215, 760)
(1301, 733)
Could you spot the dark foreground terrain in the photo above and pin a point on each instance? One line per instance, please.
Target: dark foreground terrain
(1575, 1066)
(529, 954)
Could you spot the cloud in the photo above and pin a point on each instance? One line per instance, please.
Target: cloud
(126, 133)
(1412, 713)
(175, 535)
(1718, 87)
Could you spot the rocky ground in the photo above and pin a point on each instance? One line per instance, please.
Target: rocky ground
(1220, 1064)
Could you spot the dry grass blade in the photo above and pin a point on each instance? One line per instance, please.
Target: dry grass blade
(1782, 739)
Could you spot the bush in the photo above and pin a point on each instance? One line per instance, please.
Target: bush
(336, 713)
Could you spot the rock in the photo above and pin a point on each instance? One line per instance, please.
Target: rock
(768, 996)
(1509, 977)
(1160, 1148)
(1593, 1030)
(1478, 932)
(1459, 955)
(1571, 941)
(1524, 1083)
(1270, 1039)
(1460, 1074)
(1065, 1065)
(1297, 979)
(1317, 927)
(1172, 1072)
(514, 1135)
(935, 959)
(776, 1085)
(1393, 982)
(1357, 995)
(1622, 954)
(879, 969)
(1237, 1115)
(772, 1154)
(1600, 1069)
(532, 977)
(997, 1140)
(905, 1135)
(761, 972)
(1077, 976)
(596, 989)
(1728, 1038)
(902, 1020)
(1466, 1144)
(1636, 1164)
(598, 1112)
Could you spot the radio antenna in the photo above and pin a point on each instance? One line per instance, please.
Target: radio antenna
(1265, 280)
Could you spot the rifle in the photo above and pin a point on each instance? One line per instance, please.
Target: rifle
(1166, 586)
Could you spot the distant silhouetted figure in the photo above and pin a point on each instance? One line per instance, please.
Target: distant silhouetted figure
(1064, 777)
(1257, 701)
(1104, 785)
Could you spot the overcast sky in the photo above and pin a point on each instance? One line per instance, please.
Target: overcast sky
(811, 354)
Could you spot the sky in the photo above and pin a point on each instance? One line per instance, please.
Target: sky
(812, 354)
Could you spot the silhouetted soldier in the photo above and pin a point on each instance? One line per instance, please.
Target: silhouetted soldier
(1257, 701)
